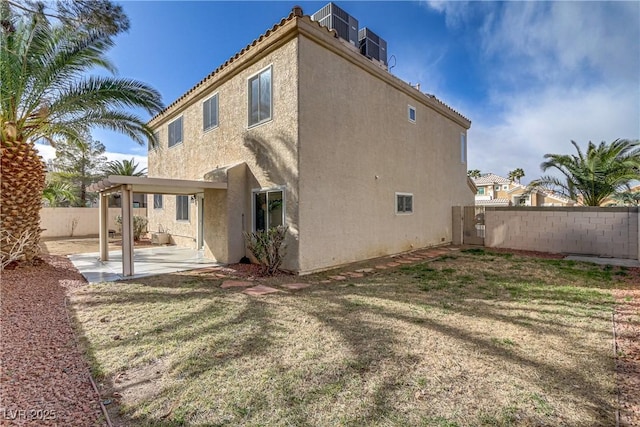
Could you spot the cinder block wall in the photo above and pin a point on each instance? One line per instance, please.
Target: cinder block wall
(69, 222)
(611, 232)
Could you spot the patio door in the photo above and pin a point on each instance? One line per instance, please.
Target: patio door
(200, 199)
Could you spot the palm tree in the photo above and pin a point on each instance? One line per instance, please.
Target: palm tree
(626, 198)
(591, 177)
(124, 167)
(474, 173)
(516, 174)
(57, 193)
(46, 93)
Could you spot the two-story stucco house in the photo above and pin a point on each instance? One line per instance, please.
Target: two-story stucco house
(307, 132)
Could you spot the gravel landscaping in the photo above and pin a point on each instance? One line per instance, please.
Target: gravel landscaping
(44, 379)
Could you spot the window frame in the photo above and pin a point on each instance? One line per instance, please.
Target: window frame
(250, 97)
(217, 123)
(181, 119)
(188, 208)
(481, 191)
(281, 188)
(411, 108)
(397, 199)
(158, 206)
(463, 147)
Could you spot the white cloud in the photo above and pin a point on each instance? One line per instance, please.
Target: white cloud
(546, 122)
(48, 152)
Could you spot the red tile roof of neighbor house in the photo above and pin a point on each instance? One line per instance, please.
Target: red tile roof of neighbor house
(296, 12)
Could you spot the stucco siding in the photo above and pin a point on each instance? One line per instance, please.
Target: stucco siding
(269, 149)
(357, 149)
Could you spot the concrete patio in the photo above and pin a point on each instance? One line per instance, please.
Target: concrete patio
(148, 262)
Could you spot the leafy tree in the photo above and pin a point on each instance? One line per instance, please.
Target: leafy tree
(474, 173)
(79, 163)
(593, 176)
(57, 193)
(79, 15)
(45, 93)
(516, 174)
(124, 167)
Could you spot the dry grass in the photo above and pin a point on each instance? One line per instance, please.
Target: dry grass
(474, 339)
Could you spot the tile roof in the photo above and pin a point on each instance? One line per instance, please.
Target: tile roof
(491, 178)
(296, 12)
(493, 202)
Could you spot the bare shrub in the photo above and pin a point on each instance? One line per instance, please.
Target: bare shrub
(16, 246)
(267, 246)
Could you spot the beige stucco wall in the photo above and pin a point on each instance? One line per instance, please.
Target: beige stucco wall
(67, 222)
(269, 150)
(357, 149)
(578, 230)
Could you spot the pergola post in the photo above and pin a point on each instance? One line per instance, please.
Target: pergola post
(127, 230)
(103, 203)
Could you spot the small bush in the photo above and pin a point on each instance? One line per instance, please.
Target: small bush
(139, 225)
(268, 247)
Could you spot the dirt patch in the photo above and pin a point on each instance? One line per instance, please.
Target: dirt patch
(82, 245)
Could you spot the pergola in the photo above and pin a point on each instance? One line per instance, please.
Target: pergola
(127, 185)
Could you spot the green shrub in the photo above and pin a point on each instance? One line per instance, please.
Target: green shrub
(267, 246)
(139, 225)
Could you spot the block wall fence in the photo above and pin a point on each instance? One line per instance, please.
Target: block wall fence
(607, 232)
(72, 222)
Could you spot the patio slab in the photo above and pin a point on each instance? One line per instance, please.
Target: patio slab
(147, 262)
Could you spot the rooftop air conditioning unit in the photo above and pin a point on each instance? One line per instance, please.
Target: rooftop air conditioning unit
(334, 18)
(372, 46)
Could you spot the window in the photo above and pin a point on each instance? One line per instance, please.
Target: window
(155, 143)
(404, 203)
(481, 190)
(505, 187)
(497, 188)
(412, 114)
(182, 208)
(175, 132)
(260, 97)
(268, 209)
(157, 201)
(463, 147)
(210, 113)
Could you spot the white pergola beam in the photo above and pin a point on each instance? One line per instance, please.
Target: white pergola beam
(103, 203)
(127, 230)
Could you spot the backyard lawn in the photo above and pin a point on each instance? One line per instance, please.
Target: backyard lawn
(473, 338)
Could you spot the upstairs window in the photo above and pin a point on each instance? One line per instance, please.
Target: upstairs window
(412, 113)
(260, 101)
(210, 113)
(182, 208)
(404, 203)
(175, 132)
(157, 201)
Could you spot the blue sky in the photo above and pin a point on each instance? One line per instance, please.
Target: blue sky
(530, 75)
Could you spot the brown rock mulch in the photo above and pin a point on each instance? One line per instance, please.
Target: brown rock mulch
(627, 324)
(44, 379)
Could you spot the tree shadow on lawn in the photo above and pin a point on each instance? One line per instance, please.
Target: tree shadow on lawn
(371, 344)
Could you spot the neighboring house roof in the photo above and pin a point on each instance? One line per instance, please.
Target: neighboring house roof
(258, 45)
(490, 179)
(493, 202)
